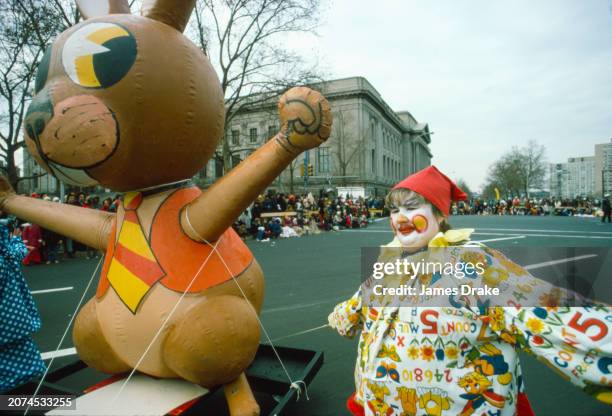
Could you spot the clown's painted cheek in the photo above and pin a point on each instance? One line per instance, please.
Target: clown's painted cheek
(420, 223)
(414, 228)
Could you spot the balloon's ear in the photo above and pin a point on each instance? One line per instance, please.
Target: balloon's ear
(95, 8)
(174, 13)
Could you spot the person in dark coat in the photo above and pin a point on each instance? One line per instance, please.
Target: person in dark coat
(52, 241)
(606, 208)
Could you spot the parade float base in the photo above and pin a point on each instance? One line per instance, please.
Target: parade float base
(145, 395)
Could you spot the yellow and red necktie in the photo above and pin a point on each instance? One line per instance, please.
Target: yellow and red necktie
(133, 269)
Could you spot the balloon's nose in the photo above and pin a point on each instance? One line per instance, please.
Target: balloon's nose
(82, 132)
(39, 113)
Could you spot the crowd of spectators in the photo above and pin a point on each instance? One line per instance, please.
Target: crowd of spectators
(269, 217)
(46, 246)
(288, 215)
(531, 206)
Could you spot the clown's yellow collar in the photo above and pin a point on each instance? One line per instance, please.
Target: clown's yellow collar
(451, 237)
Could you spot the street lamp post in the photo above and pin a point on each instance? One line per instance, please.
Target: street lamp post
(306, 165)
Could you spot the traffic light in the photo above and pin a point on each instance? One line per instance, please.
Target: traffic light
(310, 170)
(302, 170)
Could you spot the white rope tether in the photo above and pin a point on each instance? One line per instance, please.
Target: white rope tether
(293, 384)
(161, 328)
(59, 345)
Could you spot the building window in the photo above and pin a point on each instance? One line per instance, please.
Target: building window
(235, 137)
(323, 159)
(253, 135)
(271, 131)
(373, 160)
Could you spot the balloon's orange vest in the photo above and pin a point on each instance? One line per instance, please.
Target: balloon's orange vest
(134, 264)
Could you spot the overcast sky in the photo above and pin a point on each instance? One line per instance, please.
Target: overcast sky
(485, 75)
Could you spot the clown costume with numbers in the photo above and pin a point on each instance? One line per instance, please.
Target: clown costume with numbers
(20, 358)
(458, 360)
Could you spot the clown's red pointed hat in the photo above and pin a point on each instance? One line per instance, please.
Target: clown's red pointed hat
(434, 186)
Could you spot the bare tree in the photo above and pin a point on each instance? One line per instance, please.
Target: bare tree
(346, 147)
(244, 40)
(505, 173)
(532, 168)
(462, 184)
(26, 29)
(519, 170)
(291, 170)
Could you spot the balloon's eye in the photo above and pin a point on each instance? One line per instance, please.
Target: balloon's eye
(43, 70)
(99, 55)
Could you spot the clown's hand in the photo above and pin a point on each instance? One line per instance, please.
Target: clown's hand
(305, 118)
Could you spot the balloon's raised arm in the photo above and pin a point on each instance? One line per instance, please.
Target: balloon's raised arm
(88, 226)
(306, 121)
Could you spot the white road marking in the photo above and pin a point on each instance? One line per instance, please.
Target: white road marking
(544, 231)
(60, 353)
(367, 231)
(559, 261)
(606, 237)
(59, 289)
(301, 306)
(570, 236)
(306, 331)
(501, 239)
(511, 235)
(389, 231)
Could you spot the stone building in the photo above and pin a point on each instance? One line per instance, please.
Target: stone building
(589, 176)
(40, 181)
(371, 145)
(572, 179)
(558, 183)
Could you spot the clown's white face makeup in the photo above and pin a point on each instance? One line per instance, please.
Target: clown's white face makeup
(414, 226)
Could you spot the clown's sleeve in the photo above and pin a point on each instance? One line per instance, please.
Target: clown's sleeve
(576, 342)
(347, 317)
(569, 333)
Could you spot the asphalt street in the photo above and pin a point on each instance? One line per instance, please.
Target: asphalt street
(306, 277)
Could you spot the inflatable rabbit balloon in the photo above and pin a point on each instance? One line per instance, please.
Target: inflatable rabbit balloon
(129, 103)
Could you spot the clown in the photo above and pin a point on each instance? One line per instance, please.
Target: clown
(467, 352)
